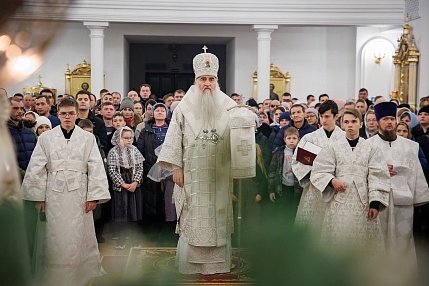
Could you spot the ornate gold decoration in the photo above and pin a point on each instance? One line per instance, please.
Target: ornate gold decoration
(79, 78)
(280, 80)
(379, 58)
(35, 90)
(405, 60)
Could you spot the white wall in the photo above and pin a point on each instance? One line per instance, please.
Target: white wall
(420, 29)
(319, 59)
(378, 79)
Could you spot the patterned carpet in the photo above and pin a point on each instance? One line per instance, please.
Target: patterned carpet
(155, 266)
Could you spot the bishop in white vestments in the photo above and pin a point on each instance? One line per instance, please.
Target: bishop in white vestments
(407, 183)
(197, 148)
(66, 179)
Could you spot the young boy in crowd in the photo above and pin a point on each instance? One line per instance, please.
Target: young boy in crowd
(284, 190)
(118, 120)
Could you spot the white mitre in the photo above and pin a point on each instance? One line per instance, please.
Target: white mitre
(205, 64)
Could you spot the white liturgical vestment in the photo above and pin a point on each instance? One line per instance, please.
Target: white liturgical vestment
(203, 205)
(311, 209)
(408, 189)
(65, 174)
(364, 173)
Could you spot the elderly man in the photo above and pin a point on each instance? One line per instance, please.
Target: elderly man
(407, 183)
(66, 179)
(197, 147)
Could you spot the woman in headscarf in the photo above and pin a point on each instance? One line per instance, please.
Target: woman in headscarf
(125, 168)
(312, 116)
(370, 126)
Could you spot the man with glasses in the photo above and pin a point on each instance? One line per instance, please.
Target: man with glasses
(66, 179)
(273, 105)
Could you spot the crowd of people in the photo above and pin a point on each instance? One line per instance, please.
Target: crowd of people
(378, 185)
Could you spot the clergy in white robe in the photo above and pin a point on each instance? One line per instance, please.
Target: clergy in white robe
(66, 179)
(408, 186)
(197, 147)
(353, 177)
(311, 209)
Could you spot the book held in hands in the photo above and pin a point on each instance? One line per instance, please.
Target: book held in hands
(307, 153)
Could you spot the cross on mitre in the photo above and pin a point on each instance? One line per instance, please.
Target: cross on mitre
(205, 49)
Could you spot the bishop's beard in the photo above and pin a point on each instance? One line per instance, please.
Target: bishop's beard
(208, 107)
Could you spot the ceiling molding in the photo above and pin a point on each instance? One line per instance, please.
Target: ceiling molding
(245, 12)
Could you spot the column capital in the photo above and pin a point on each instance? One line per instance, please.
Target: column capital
(265, 28)
(96, 25)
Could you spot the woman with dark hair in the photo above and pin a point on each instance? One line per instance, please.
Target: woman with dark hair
(152, 136)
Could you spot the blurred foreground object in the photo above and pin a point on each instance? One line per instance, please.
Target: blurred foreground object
(22, 43)
(14, 256)
(23, 38)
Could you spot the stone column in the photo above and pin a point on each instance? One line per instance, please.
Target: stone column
(97, 54)
(264, 56)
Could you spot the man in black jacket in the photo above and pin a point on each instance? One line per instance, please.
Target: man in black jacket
(25, 141)
(83, 99)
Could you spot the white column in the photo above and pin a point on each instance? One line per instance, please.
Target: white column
(264, 56)
(97, 54)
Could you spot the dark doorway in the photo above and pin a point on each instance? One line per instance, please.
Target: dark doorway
(163, 83)
(167, 67)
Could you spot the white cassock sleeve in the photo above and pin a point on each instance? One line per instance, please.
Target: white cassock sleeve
(323, 171)
(378, 178)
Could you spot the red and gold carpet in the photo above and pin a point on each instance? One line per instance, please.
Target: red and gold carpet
(155, 266)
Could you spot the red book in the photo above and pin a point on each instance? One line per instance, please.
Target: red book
(307, 153)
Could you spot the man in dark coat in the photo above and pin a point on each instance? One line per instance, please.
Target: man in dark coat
(25, 141)
(297, 115)
(83, 99)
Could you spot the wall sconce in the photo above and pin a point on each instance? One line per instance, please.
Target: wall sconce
(378, 58)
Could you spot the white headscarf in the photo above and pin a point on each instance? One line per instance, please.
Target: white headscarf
(127, 157)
